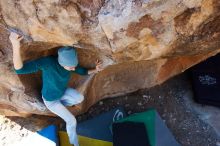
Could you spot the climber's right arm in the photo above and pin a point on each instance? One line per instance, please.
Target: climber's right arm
(15, 41)
(28, 66)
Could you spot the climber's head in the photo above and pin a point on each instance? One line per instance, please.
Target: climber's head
(67, 57)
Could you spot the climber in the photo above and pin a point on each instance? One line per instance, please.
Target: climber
(56, 72)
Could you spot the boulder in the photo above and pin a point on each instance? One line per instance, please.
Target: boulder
(141, 43)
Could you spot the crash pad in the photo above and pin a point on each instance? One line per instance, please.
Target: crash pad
(157, 131)
(49, 132)
(83, 141)
(129, 134)
(98, 127)
(206, 81)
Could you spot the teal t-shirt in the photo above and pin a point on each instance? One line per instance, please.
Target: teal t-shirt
(55, 77)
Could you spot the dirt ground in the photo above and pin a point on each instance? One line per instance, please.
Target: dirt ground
(169, 100)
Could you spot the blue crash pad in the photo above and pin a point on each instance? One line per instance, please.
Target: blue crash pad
(50, 132)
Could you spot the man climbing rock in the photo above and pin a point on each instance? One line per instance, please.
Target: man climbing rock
(56, 73)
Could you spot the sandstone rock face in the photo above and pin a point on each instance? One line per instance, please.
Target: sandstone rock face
(141, 43)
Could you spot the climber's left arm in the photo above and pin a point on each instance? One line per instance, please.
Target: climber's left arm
(97, 69)
(83, 71)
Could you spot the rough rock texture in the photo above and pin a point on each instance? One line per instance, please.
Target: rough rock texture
(142, 43)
